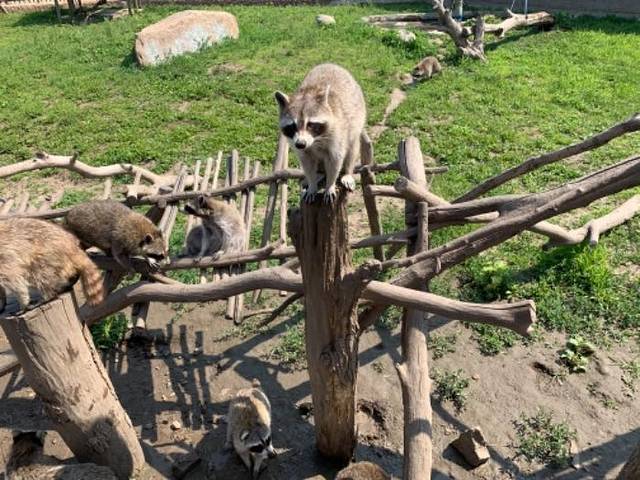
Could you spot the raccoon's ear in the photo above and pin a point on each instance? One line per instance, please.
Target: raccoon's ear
(148, 238)
(202, 201)
(282, 99)
(244, 435)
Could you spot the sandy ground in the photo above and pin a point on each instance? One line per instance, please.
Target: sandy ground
(169, 379)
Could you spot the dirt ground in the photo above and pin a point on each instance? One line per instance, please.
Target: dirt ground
(189, 370)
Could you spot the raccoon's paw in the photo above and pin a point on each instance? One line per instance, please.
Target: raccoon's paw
(309, 195)
(330, 194)
(348, 182)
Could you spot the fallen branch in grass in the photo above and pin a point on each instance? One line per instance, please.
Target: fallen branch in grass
(513, 20)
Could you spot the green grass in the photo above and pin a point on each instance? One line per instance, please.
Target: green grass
(290, 349)
(69, 89)
(110, 331)
(452, 387)
(440, 345)
(543, 440)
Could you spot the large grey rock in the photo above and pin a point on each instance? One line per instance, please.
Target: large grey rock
(183, 32)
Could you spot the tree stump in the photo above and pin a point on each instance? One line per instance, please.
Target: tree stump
(62, 366)
(321, 238)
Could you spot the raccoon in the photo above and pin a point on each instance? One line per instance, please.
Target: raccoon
(27, 462)
(323, 122)
(42, 255)
(427, 68)
(249, 427)
(118, 230)
(222, 230)
(362, 471)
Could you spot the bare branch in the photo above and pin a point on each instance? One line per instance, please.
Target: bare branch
(44, 160)
(518, 316)
(602, 138)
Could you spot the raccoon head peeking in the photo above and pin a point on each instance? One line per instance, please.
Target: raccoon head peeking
(306, 118)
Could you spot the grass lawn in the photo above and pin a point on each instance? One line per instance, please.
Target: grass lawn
(77, 89)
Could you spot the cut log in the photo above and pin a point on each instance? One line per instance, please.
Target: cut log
(320, 235)
(472, 49)
(513, 20)
(62, 366)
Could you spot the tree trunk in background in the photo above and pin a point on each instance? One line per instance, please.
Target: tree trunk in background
(62, 366)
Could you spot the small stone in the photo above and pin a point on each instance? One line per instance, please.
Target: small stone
(185, 464)
(197, 351)
(176, 425)
(475, 377)
(325, 20)
(406, 36)
(472, 446)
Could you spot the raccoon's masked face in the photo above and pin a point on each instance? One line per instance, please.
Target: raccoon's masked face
(305, 120)
(259, 450)
(153, 247)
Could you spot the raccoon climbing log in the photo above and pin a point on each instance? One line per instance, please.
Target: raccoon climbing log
(320, 234)
(63, 367)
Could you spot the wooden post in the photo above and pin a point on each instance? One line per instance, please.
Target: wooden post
(414, 369)
(367, 178)
(321, 238)
(62, 366)
(270, 209)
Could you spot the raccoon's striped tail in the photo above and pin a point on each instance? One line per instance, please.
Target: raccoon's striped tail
(90, 277)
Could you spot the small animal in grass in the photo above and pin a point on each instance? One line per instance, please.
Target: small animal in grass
(324, 121)
(249, 427)
(45, 257)
(362, 471)
(27, 462)
(222, 229)
(427, 68)
(118, 230)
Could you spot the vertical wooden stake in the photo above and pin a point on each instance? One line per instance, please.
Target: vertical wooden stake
(62, 366)
(414, 369)
(367, 178)
(321, 237)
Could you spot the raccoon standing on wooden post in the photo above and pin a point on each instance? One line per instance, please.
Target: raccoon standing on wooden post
(249, 427)
(323, 122)
(45, 257)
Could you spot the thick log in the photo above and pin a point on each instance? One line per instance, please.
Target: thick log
(602, 138)
(513, 20)
(62, 366)
(331, 290)
(414, 369)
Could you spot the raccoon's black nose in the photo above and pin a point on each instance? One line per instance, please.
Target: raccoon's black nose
(301, 144)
